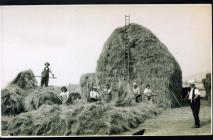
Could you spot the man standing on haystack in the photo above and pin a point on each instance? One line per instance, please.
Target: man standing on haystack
(136, 93)
(194, 98)
(45, 75)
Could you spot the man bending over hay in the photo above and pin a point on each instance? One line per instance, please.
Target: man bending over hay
(137, 93)
(65, 96)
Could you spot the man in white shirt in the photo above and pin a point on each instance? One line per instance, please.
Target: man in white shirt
(194, 98)
(136, 93)
(94, 95)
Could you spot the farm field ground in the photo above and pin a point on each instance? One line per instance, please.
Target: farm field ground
(177, 121)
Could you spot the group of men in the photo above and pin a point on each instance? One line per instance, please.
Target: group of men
(193, 95)
(94, 94)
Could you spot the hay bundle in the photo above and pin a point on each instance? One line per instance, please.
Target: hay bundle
(11, 100)
(150, 62)
(87, 81)
(39, 97)
(25, 80)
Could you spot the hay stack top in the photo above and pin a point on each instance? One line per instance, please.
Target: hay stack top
(25, 80)
(150, 62)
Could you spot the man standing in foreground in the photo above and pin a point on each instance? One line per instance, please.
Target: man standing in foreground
(194, 98)
(45, 75)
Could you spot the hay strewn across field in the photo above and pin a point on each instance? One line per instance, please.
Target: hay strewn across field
(80, 119)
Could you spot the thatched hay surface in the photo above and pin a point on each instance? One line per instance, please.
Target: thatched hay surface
(40, 96)
(25, 80)
(81, 119)
(150, 63)
(87, 81)
(11, 100)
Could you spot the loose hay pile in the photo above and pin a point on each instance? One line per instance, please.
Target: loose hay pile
(25, 80)
(150, 63)
(11, 100)
(84, 119)
(13, 95)
(22, 94)
(39, 97)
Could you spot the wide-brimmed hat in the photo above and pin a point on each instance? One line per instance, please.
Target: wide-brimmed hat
(94, 87)
(191, 82)
(134, 83)
(47, 63)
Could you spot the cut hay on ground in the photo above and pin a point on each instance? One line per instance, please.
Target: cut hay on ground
(11, 100)
(38, 97)
(25, 80)
(150, 63)
(81, 119)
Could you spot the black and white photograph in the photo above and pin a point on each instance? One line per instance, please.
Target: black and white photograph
(106, 70)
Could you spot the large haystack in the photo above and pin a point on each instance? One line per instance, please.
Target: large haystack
(25, 80)
(150, 62)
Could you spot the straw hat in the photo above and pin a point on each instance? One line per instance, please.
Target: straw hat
(47, 63)
(192, 82)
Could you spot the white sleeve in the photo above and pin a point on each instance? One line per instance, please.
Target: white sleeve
(197, 92)
(144, 92)
(68, 95)
(138, 91)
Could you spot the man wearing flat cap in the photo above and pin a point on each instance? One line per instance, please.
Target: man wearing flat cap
(45, 75)
(194, 98)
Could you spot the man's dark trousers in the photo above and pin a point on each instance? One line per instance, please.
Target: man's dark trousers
(44, 81)
(195, 106)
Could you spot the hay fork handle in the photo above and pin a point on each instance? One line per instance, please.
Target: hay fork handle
(41, 77)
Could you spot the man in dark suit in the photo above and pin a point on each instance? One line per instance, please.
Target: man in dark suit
(45, 75)
(194, 98)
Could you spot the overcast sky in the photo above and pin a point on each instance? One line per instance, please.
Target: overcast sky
(71, 37)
